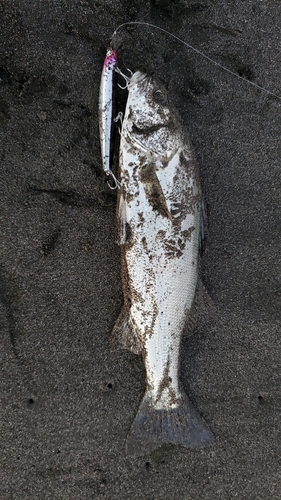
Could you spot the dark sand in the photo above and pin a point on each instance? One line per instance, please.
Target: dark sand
(67, 400)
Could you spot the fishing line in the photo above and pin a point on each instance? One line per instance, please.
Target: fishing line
(197, 51)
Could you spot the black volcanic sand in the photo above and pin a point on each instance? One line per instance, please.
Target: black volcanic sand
(68, 400)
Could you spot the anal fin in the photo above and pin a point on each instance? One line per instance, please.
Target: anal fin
(123, 334)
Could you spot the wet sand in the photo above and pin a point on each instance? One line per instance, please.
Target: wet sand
(67, 399)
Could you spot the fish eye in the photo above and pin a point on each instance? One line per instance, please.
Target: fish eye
(159, 95)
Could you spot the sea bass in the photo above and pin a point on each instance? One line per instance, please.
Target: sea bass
(159, 210)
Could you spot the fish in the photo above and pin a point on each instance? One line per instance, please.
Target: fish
(159, 217)
(106, 109)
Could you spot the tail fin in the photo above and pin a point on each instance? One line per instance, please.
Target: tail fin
(153, 428)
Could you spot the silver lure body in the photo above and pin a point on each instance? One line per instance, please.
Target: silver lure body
(106, 107)
(159, 212)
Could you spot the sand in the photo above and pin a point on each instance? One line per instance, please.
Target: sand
(67, 399)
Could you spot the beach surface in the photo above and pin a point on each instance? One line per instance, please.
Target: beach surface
(67, 399)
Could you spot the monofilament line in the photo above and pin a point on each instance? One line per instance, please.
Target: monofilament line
(197, 52)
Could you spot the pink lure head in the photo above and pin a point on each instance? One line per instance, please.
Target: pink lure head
(111, 58)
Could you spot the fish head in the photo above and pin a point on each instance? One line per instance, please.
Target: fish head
(150, 121)
(148, 102)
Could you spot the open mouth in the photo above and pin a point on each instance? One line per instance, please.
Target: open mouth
(137, 77)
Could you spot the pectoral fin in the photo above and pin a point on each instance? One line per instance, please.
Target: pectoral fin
(153, 191)
(122, 219)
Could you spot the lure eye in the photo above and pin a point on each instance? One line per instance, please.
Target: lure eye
(159, 95)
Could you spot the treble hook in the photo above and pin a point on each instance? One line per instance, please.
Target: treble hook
(119, 118)
(116, 184)
(126, 78)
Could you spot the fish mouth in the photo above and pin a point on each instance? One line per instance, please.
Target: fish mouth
(137, 77)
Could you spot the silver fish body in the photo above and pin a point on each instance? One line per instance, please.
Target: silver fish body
(159, 212)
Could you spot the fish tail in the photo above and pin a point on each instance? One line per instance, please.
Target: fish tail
(152, 428)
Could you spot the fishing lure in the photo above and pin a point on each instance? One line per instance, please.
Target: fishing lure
(106, 111)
